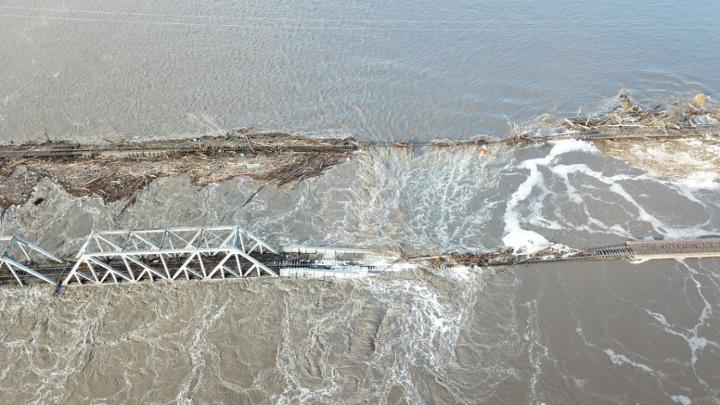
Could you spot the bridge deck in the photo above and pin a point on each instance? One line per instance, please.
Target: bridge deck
(643, 250)
(60, 271)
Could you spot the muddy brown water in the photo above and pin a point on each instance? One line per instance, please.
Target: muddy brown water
(556, 333)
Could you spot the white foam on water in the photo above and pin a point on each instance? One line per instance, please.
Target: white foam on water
(620, 359)
(696, 156)
(627, 360)
(418, 201)
(417, 331)
(517, 238)
(700, 181)
(690, 164)
(524, 240)
(538, 352)
(692, 336)
(681, 399)
(64, 342)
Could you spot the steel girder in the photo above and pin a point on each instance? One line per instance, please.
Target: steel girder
(195, 252)
(20, 255)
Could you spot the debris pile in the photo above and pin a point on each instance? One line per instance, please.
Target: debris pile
(118, 172)
(478, 140)
(115, 171)
(507, 257)
(682, 147)
(504, 257)
(630, 115)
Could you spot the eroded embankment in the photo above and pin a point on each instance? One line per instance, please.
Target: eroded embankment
(680, 141)
(677, 141)
(114, 172)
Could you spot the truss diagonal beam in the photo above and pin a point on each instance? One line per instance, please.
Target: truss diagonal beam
(19, 254)
(196, 252)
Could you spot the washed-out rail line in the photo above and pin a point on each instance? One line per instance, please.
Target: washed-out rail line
(238, 145)
(637, 133)
(169, 150)
(231, 252)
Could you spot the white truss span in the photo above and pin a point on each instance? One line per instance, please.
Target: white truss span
(18, 255)
(189, 252)
(231, 252)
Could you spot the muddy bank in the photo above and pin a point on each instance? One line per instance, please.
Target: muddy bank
(115, 172)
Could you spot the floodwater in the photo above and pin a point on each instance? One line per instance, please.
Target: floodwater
(572, 333)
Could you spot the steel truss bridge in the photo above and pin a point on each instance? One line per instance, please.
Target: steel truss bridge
(207, 253)
(232, 252)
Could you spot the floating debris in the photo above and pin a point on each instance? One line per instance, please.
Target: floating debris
(699, 100)
(115, 172)
(630, 115)
(690, 160)
(506, 257)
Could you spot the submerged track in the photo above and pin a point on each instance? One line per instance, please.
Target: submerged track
(239, 144)
(227, 252)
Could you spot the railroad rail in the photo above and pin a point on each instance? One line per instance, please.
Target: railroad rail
(189, 253)
(635, 133)
(636, 250)
(132, 150)
(238, 144)
(231, 252)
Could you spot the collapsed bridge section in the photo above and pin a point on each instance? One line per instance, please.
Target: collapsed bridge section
(18, 260)
(207, 253)
(132, 256)
(232, 252)
(182, 253)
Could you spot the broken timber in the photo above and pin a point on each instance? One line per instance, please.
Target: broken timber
(632, 134)
(118, 171)
(263, 143)
(231, 252)
(268, 143)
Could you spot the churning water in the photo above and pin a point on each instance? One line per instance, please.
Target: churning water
(589, 333)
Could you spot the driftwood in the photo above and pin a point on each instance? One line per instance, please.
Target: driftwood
(630, 115)
(506, 257)
(119, 170)
(274, 158)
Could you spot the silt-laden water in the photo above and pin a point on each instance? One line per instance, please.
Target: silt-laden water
(554, 333)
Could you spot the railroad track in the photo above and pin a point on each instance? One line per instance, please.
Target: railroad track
(239, 146)
(139, 150)
(633, 250)
(633, 133)
(127, 261)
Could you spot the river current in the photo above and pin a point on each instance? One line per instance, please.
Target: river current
(554, 333)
